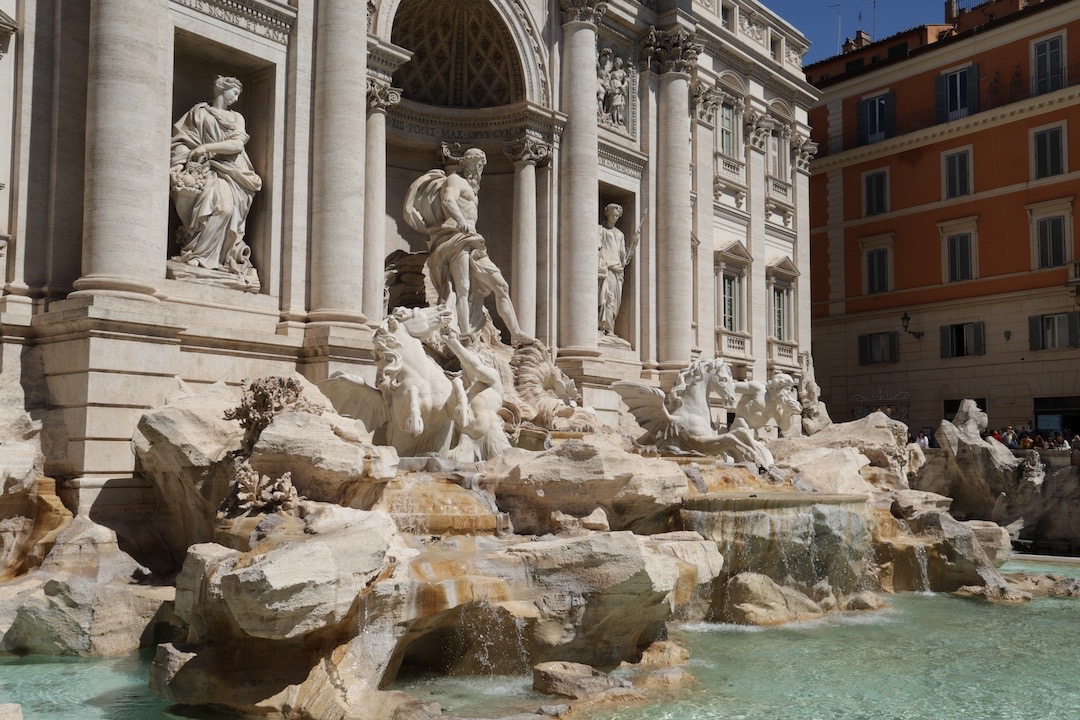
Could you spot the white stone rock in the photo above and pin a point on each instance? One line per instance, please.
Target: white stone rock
(10, 711)
(754, 599)
(579, 477)
(573, 680)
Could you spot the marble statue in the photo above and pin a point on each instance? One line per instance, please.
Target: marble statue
(815, 414)
(681, 421)
(213, 184)
(615, 255)
(618, 90)
(762, 402)
(445, 207)
(612, 88)
(415, 407)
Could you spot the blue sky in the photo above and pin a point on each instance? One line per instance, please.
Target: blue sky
(817, 20)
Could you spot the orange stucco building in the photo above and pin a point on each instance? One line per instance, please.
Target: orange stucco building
(944, 259)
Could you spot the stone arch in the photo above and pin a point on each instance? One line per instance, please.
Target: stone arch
(781, 110)
(733, 83)
(515, 17)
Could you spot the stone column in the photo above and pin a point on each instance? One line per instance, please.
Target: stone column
(674, 54)
(380, 98)
(338, 164)
(580, 197)
(526, 153)
(127, 151)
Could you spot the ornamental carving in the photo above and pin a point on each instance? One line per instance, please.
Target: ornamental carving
(706, 101)
(582, 10)
(527, 149)
(612, 89)
(463, 55)
(758, 128)
(751, 28)
(381, 97)
(803, 150)
(674, 50)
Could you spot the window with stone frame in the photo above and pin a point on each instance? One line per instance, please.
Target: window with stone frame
(875, 118)
(880, 347)
(1056, 330)
(1050, 224)
(1047, 152)
(963, 339)
(780, 327)
(731, 302)
(877, 271)
(958, 173)
(728, 127)
(959, 257)
(875, 192)
(1048, 67)
(957, 93)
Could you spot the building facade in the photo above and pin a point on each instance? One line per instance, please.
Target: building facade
(122, 148)
(944, 256)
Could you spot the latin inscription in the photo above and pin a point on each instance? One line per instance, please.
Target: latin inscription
(265, 27)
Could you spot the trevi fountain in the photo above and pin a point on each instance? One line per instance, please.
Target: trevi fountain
(394, 394)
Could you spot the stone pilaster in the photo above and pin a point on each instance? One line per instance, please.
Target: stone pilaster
(706, 101)
(381, 97)
(526, 153)
(673, 54)
(338, 164)
(125, 226)
(757, 127)
(580, 196)
(803, 150)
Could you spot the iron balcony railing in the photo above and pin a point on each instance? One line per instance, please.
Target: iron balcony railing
(996, 94)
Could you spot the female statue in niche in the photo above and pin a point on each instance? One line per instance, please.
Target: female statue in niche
(614, 257)
(213, 185)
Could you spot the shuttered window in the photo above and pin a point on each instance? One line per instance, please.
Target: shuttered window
(876, 348)
(963, 339)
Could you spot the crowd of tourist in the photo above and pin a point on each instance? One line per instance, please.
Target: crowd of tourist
(1022, 440)
(1029, 440)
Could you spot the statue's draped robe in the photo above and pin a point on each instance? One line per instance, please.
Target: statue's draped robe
(424, 212)
(215, 217)
(613, 251)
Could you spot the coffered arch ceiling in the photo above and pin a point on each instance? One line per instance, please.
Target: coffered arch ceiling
(463, 54)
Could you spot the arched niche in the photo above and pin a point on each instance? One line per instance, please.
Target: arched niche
(527, 52)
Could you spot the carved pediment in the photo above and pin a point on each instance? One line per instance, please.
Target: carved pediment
(781, 266)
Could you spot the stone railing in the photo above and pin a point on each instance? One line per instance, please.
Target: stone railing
(733, 344)
(1074, 273)
(783, 355)
(778, 198)
(730, 168)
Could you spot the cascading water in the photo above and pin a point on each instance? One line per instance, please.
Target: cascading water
(924, 569)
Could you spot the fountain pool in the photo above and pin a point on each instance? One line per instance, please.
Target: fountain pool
(926, 657)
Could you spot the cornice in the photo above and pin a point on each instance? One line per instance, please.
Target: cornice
(476, 125)
(268, 18)
(1006, 113)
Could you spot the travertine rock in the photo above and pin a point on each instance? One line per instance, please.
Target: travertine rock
(10, 711)
(327, 457)
(573, 680)
(994, 540)
(878, 438)
(579, 476)
(754, 599)
(466, 604)
(664, 654)
(74, 616)
(864, 601)
(185, 449)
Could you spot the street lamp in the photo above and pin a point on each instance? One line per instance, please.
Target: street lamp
(905, 320)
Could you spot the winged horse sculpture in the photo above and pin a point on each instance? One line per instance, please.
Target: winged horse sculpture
(681, 421)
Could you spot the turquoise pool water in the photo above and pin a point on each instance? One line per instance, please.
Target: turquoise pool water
(927, 656)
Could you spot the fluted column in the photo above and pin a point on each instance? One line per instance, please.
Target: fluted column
(674, 54)
(339, 149)
(580, 196)
(127, 151)
(380, 98)
(526, 153)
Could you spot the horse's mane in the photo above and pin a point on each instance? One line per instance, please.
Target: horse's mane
(691, 375)
(388, 356)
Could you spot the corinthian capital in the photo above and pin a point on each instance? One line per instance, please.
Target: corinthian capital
(527, 149)
(803, 150)
(582, 10)
(758, 128)
(705, 100)
(673, 50)
(381, 98)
